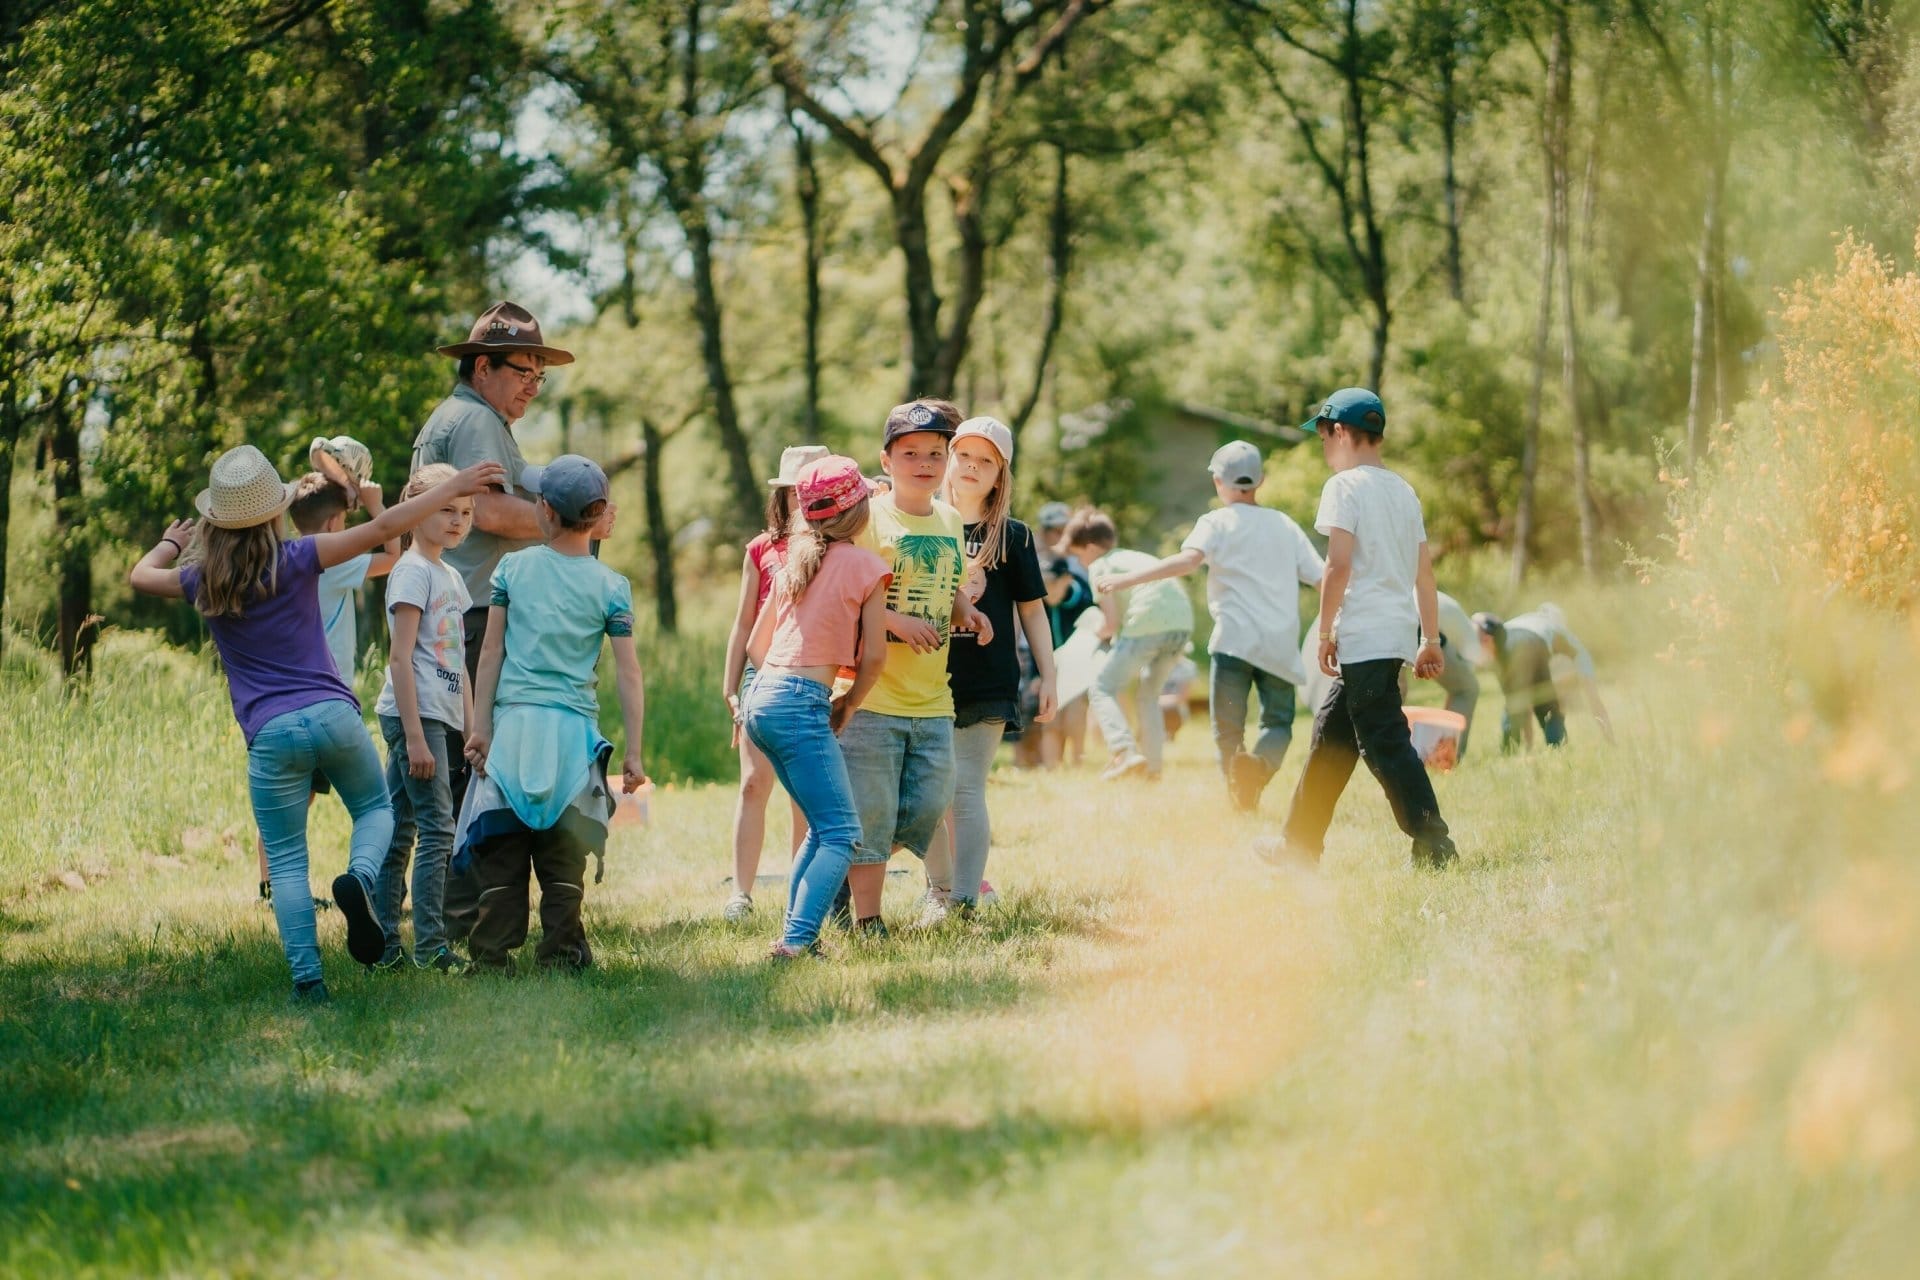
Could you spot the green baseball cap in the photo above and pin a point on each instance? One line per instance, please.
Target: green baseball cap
(1354, 406)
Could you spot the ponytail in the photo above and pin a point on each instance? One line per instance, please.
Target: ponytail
(808, 543)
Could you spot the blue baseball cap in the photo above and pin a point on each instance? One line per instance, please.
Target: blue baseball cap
(1354, 406)
(569, 484)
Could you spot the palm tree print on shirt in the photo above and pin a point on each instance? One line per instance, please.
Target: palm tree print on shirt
(926, 573)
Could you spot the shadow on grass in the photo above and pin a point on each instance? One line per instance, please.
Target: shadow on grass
(162, 1103)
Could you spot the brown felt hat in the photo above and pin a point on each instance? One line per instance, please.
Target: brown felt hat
(503, 327)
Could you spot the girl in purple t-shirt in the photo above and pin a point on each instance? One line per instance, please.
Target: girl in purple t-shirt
(259, 594)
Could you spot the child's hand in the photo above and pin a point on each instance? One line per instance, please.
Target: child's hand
(371, 499)
(1108, 586)
(419, 758)
(604, 528)
(1429, 662)
(180, 533)
(632, 775)
(1329, 657)
(1049, 701)
(839, 713)
(917, 634)
(478, 478)
(478, 740)
(971, 619)
(739, 722)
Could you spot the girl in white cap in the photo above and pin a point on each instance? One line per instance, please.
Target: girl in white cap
(257, 590)
(765, 554)
(1003, 577)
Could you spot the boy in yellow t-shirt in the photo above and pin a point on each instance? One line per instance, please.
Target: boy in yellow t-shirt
(899, 745)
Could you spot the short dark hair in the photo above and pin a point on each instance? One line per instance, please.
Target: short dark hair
(316, 500)
(588, 518)
(1091, 528)
(470, 364)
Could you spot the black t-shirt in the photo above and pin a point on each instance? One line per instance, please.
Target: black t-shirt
(990, 673)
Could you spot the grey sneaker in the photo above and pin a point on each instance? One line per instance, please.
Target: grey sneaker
(442, 961)
(739, 908)
(393, 958)
(1124, 765)
(934, 912)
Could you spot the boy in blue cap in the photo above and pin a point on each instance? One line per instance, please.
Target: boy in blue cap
(1378, 588)
(540, 801)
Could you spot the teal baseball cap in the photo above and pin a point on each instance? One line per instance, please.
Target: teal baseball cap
(1354, 406)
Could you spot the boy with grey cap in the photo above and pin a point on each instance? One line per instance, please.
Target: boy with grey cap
(540, 802)
(1256, 557)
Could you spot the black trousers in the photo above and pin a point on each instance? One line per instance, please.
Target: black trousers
(463, 891)
(1361, 719)
(502, 865)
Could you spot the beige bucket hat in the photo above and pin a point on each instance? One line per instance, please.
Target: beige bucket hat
(244, 490)
(794, 459)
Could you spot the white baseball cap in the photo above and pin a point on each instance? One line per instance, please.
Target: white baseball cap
(994, 431)
(1236, 463)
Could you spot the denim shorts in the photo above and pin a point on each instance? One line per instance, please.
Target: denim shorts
(901, 768)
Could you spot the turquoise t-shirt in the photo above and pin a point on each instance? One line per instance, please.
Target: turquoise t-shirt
(559, 609)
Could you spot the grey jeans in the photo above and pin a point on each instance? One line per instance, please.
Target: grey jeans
(973, 749)
(1147, 659)
(422, 807)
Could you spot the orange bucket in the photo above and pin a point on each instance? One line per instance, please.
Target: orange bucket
(1436, 736)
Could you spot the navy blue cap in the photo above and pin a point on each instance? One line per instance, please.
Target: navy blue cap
(569, 484)
(1354, 406)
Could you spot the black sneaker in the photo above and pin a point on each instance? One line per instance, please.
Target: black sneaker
(442, 961)
(872, 927)
(266, 892)
(393, 958)
(1246, 779)
(366, 942)
(1435, 855)
(312, 991)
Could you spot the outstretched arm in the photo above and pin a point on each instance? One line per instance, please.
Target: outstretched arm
(1173, 566)
(332, 548)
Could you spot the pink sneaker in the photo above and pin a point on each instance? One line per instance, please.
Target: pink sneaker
(987, 896)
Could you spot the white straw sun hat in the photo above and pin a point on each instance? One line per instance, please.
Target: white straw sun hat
(244, 490)
(794, 459)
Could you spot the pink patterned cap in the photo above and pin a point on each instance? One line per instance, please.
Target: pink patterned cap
(830, 487)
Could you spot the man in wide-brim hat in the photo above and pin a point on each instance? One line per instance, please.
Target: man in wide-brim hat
(502, 367)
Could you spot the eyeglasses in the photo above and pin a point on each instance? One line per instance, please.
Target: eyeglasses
(534, 376)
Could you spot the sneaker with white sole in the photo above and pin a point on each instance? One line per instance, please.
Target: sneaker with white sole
(1126, 764)
(739, 908)
(934, 912)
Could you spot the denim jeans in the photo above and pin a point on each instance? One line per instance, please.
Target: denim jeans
(973, 749)
(329, 736)
(1361, 719)
(1147, 659)
(786, 717)
(901, 768)
(1230, 683)
(422, 806)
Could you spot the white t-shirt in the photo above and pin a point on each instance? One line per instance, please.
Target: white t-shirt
(1377, 617)
(439, 651)
(1255, 556)
(1456, 628)
(337, 586)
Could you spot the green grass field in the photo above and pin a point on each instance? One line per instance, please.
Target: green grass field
(1659, 1022)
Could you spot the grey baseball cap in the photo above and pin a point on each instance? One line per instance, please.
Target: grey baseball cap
(1054, 515)
(569, 484)
(1236, 463)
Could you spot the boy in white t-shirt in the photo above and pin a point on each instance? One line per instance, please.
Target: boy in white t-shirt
(1254, 556)
(1378, 589)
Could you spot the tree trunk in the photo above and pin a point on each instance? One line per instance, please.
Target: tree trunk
(1569, 330)
(923, 297)
(1552, 141)
(659, 538)
(1450, 179)
(1373, 264)
(1059, 251)
(11, 421)
(72, 553)
(1701, 381)
(807, 185)
(970, 285)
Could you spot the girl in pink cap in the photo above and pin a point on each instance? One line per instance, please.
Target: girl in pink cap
(827, 611)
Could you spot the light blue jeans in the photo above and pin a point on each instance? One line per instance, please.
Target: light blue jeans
(973, 750)
(786, 717)
(1147, 659)
(901, 768)
(422, 807)
(331, 737)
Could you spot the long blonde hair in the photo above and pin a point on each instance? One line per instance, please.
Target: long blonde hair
(807, 544)
(994, 514)
(236, 566)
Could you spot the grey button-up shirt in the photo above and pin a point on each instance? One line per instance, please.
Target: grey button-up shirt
(463, 430)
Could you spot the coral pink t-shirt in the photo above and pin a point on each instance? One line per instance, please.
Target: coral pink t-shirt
(767, 557)
(824, 627)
